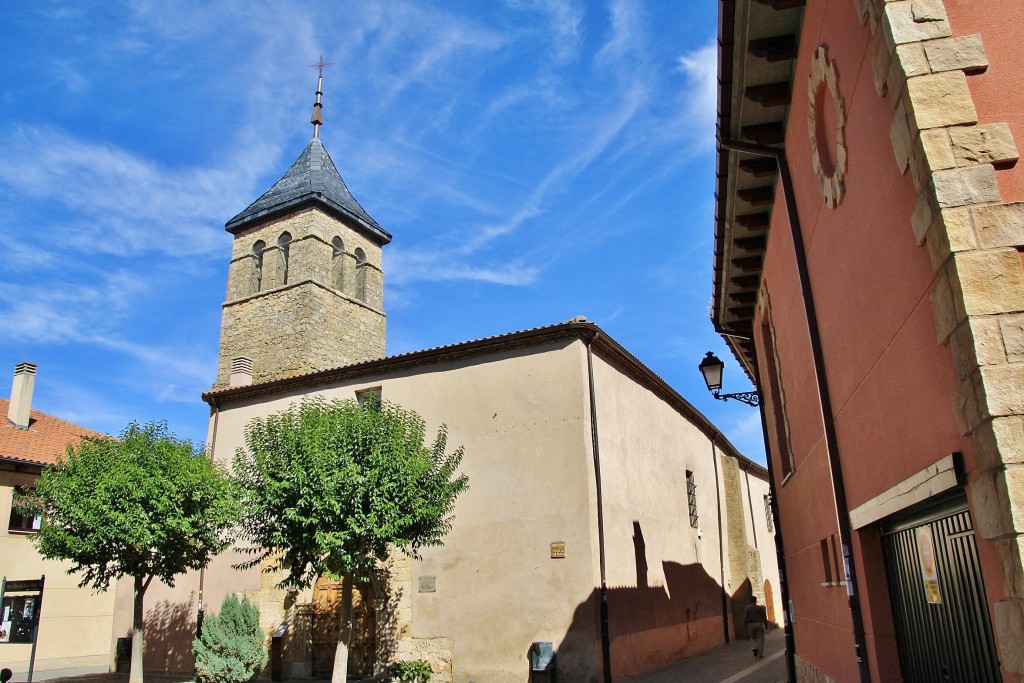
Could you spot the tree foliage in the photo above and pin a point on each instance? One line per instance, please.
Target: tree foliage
(147, 505)
(231, 648)
(327, 487)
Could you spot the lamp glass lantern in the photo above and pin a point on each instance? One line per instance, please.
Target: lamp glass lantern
(711, 367)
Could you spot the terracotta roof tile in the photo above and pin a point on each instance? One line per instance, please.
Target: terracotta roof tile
(46, 437)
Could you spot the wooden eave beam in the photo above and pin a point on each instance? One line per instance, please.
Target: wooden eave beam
(753, 243)
(754, 221)
(748, 264)
(757, 196)
(773, 133)
(769, 94)
(747, 297)
(779, 5)
(759, 167)
(774, 48)
(742, 312)
(745, 281)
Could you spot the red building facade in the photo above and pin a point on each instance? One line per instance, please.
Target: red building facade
(868, 276)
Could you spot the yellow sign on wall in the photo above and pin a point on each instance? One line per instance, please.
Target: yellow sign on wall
(929, 571)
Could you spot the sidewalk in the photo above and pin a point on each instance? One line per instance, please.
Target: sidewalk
(731, 663)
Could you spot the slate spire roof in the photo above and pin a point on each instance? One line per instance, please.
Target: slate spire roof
(312, 179)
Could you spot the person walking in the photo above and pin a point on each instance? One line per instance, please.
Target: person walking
(757, 620)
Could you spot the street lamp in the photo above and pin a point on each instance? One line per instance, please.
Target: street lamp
(711, 367)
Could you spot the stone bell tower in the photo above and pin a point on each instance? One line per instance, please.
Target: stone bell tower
(305, 283)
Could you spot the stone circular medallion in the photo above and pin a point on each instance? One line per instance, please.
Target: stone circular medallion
(826, 124)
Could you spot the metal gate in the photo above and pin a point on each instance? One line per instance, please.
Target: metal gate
(938, 598)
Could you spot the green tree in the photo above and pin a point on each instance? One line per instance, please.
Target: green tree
(231, 648)
(329, 487)
(148, 505)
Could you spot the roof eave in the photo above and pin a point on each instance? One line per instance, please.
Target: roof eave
(744, 185)
(240, 224)
(588, 332)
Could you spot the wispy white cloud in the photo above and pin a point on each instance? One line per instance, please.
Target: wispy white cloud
(407, 266)
(701, 69)
(60, 310)
(121, 203)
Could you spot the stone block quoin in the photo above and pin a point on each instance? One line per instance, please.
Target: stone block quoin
(975, 242)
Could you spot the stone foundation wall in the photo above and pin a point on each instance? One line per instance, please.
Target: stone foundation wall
(807, 673)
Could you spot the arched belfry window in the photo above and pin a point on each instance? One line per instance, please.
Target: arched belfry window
(283, 243)
(338, 264)
(256, 271)
(360, 274)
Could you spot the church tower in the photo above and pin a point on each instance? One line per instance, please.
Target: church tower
(305, 282)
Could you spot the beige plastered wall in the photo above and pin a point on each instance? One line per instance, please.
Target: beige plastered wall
(74, 629)
(665, 576)
(523, 417)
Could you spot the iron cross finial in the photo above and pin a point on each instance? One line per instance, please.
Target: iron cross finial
(319, 66)
(317, 119)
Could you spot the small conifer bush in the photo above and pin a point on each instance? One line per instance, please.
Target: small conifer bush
(231, 648)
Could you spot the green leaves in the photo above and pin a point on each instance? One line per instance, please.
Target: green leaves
(328, 486)
(146, 505)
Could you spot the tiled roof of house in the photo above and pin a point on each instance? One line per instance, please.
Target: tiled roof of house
(46, 437)
(313, 178)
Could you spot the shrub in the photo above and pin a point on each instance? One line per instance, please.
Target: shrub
(416, 671)
(231, 648)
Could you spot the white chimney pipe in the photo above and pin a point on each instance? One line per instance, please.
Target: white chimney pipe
(19, 413)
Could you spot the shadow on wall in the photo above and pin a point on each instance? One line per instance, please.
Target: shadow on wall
(649, 626)
(740, 600)
(170, 628)
(388, 629)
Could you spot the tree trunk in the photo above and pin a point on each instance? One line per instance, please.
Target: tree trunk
(135, 675)
(340, 673)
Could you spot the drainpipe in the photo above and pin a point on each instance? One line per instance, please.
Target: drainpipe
(606, 654)
(824, 397)
(780, 552)
(721, 541)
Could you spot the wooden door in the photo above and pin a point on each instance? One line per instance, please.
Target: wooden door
(326, 623)
(769, 602)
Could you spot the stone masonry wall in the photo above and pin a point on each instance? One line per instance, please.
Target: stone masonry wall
(975, 242)
(395, 642)
(302, 322)
(744, 559)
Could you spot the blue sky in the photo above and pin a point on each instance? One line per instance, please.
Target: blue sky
(534, 159)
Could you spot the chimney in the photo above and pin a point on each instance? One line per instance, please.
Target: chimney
(20, 410)
(241, 372)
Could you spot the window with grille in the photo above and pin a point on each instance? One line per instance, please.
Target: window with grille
(691, 497)
(20, 523)
(768, 513)
(371, 396)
